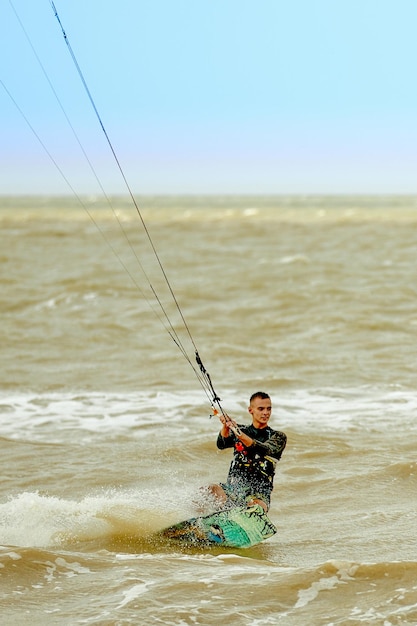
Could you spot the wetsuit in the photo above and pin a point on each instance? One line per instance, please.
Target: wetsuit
(252, 469)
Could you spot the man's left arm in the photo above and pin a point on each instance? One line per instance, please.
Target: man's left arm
(274, 446)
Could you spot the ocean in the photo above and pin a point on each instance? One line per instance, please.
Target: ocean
(106, 433)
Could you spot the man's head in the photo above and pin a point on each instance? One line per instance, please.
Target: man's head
(260, 408)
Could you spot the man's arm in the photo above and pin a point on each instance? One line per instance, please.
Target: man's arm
(225, 442)
(274, 446)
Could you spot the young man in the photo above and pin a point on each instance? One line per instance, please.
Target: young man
(257, 448)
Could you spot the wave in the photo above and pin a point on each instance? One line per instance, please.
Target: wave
(371, 593)
(332, 592)
(331, 411)
(36, 520)
(287, 209)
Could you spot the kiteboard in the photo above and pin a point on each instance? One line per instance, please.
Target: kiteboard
(238, 527)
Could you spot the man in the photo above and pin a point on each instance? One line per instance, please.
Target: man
(257, 448)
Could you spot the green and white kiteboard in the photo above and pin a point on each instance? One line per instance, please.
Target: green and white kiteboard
(239, 527)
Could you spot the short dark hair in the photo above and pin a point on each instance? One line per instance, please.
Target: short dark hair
(259, 394)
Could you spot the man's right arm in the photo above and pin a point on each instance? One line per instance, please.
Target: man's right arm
(227, 441)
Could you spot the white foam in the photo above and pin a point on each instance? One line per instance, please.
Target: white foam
(305, 596)
(64, 567)
(49, 417)
(134, 592)
(39, 417)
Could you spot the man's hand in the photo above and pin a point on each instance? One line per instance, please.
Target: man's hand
(229, 424)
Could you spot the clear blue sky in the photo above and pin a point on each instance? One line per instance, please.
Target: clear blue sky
(212, 96)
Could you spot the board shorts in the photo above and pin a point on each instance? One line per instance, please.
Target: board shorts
(239, 495)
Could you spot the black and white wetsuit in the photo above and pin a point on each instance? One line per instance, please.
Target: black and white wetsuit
(252, 470)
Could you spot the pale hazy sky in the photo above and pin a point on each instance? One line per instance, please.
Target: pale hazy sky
(212, 96)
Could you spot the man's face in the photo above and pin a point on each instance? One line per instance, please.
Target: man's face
(260, 410)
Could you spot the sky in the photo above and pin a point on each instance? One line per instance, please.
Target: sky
(209, 96)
